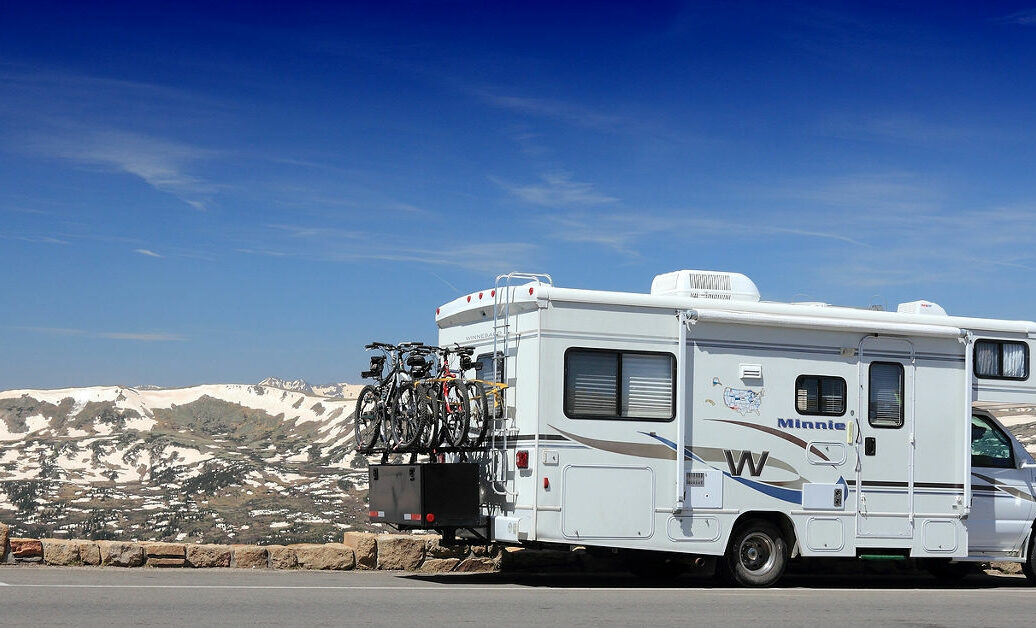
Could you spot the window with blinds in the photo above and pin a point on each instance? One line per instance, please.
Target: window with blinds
(820, 395)
(628, 385)
(885, 394)
(1001, 359)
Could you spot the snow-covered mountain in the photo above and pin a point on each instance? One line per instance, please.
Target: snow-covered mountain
(302, 386)
(220, 463)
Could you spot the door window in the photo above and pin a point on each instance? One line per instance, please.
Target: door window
(990, 446)
(885, 402)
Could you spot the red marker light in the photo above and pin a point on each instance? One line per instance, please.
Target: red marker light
(437, 310)
(530, 290)
(430, 518)
(521, 459)
(546, 484)
(374, 513)
(492, 293)
(479, 295)
(469, 298)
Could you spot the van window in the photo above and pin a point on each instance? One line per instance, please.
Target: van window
(625, 385)
(886, 391)
(1001, 359)
(990, 447)
(821, 395)
(485, 368)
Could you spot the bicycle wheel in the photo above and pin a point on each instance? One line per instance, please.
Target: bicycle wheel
(404, 419)
(478, 414)
(426, 405)
(367, 419)
(453, 412)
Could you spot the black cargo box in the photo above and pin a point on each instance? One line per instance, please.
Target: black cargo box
(430, 495)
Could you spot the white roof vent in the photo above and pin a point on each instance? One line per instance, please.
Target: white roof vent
(705, 284)
(921, 307)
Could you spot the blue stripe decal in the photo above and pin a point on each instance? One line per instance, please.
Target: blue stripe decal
(784, 494)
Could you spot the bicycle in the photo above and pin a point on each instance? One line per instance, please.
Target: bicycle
(386, 401)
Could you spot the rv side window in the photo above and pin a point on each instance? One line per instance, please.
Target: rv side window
(817, 394)
(885, 402)
(623, 385)
(999, 359)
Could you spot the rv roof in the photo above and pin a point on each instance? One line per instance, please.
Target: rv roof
(479, 305)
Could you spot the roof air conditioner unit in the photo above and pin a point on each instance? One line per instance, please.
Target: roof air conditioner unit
(921, 307)
(705, 284)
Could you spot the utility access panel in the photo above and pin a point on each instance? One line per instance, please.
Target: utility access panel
(428, 495)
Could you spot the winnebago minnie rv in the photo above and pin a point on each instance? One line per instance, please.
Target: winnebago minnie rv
(698, 420)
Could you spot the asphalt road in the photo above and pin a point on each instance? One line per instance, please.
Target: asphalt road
(110, 597)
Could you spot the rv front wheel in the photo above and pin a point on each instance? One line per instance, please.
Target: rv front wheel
(758, 554)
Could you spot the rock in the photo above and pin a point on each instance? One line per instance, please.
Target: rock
(5, 533)
(478, 564)
(400, 551)
(250, 557)
(438, 565)
(435, 549)
(329, 556)
(365, 547)
(208, 555)
(281, 557)
(89, 552)
(119, 554)
(166, 550)
(158, 561)
(26, 550)
(60, 552)
(1006, 567)
(492, 551)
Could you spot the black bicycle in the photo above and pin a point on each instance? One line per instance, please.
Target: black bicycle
(382, 406)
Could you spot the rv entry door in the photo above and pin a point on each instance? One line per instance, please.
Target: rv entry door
(885, 449)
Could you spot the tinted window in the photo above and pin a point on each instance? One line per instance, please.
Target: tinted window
(817, 394)
(990, 447)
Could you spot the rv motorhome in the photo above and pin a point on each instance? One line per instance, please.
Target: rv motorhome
(698, 420)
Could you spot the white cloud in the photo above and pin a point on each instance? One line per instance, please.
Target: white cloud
(147, 252)
(162, 164)
(110, 335)
(556, 189)
(1025, 17)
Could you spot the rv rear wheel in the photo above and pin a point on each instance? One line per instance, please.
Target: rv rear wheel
(758, 554)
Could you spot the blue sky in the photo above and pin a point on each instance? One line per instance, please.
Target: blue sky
(190, 194)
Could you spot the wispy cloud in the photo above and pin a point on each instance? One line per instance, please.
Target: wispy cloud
(110, 335)
(147, 252)
(556, 189)
(1026, 17)
(568, 112)
(161, 163)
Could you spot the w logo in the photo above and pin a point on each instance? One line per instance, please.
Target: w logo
(755, 467)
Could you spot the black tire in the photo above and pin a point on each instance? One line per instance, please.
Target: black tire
(426, 408)
(453, 412)
(478, 414)
(1029, 566)
(758, 554)
(367, 420)
(942, 569)
(404, 419)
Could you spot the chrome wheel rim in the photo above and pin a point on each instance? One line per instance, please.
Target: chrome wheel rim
(757, 553)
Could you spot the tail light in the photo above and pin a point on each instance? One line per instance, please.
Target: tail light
(521, 459)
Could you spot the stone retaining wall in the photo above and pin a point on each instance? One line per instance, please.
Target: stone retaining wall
(421, 553)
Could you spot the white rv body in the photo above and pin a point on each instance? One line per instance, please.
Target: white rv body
(733, 441)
